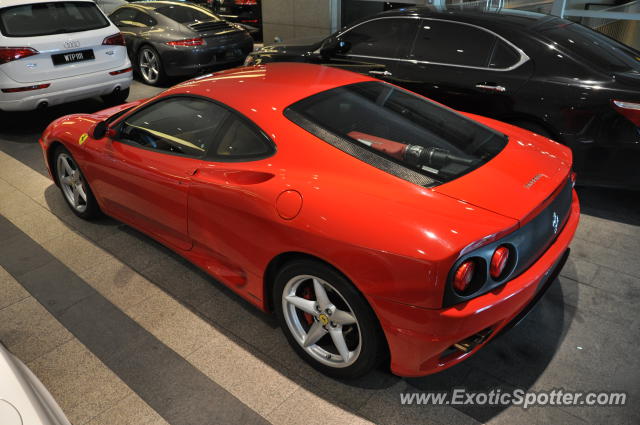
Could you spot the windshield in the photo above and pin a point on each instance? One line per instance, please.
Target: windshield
(186, 13)
(410, 135)
(31, 20)
(598, 49)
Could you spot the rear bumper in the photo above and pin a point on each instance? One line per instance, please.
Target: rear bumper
(63, 90)
(190, 61)
(422, 341)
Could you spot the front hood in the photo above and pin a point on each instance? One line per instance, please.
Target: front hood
(106, 113)
(518, 181)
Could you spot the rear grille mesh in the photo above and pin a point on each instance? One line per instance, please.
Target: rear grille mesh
(211, 26)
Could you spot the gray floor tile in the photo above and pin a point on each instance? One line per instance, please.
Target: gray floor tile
(10, 290)
(80, 383)
(29, 331)
(19, 255)
(131, 410)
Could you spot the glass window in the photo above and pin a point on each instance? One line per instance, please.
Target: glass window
(185, 14)
(240, 141)
(145, 19)
(181, 125)
(124, 15)
(504, 56)
(387, 38)
(592, 46)
(407, 129)
(130, 16)
(39, 19)
(451, 43)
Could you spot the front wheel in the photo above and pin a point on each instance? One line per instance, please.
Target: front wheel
(326, 320)
(74, 186)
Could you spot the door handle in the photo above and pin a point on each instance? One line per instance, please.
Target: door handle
(230, 176)
(491, 87)
(385, 73)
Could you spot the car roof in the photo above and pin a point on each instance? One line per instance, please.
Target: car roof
(8, 3)
(156, 4)
(270, 87)
(510, 19)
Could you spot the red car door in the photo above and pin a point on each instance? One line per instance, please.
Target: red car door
(145, 172)
(231, 202)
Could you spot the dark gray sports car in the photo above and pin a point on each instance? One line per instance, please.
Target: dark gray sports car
(166, 38)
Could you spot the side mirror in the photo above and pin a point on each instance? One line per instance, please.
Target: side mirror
(343, 46)
(331, 47)
(100, 130)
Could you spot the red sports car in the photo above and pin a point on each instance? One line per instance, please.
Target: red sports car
(377, 224)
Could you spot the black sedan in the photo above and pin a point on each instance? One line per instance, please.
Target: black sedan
(174, 39)
(548, 75)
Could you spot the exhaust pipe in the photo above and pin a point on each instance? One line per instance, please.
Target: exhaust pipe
(43, 105)
(470, 343)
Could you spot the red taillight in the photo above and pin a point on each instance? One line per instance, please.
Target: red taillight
(121, 71)
(246, 2)
(629, 109)
(8, 54)
(249, 21)
(114, 40)
(26, 88)
(499, 262)
(189, 42)
(464, 276)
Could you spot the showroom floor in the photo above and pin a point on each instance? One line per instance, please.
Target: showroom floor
(129, 333)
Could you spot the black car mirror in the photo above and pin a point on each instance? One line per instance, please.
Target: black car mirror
(343, 46)
(334, 46)
(100, 130)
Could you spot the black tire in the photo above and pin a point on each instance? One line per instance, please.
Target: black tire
(90, 208)
(533, 127)
(372, 343)
(146, 77)
(117, 98)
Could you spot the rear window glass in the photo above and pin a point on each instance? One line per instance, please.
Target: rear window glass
(404, 129)
(598, 49)
(504, 56)
(186, 14)
(31, 20)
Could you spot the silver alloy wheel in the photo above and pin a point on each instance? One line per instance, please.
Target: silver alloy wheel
(149, 66)
(327, 318)
(71, 182)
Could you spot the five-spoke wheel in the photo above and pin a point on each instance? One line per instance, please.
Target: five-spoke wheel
(74, 186)
(150, 65)
(311, 314)
(327, 320)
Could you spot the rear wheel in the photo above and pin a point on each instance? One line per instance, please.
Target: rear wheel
(74, 186)
(326, 320)
(150, 66)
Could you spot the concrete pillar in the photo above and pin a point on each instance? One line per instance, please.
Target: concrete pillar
(289, 19)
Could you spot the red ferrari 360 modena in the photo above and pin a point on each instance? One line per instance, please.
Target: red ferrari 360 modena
(374, 222)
